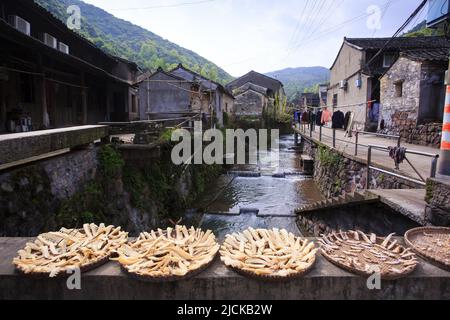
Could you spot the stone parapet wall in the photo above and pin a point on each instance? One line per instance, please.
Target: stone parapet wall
(429, 134)
(324, 281)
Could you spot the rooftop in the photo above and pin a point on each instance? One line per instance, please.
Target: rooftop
(400, 43)
(426, 54)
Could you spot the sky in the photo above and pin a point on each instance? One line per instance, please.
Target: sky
(264, 35)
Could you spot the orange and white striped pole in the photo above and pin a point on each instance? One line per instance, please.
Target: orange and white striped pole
(444, 163)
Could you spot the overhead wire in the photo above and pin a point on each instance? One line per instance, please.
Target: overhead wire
(311, 25)
(309, 18)
(299, 22)
(331, 11)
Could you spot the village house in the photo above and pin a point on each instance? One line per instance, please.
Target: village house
(253, 92)
(323, 94)
(274, 87)
(50, 77)
(163, 95)
(309, 99)
(251, 100)
(218, 97)
(413, 94)
(182, 92)
(353, 83)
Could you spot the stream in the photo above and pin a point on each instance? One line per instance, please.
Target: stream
(259, 196)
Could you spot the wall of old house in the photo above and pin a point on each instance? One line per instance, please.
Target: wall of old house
(228, 104)
(400, 113)
(12, 98)
(415, 115)
(348, 62)
(432, 98)
(160, 96)
(85, 65)
(249, 103)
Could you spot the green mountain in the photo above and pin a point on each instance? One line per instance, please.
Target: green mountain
(297, 80)
(126, 40)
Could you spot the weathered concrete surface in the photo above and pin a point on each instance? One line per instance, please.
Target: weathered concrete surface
(325, 281)
(410, 203)
(19, 146)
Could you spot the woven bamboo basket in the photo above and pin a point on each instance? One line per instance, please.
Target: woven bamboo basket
(269, 277)
(93, 264)
(172, 278)
(386, 272)
(437, 255)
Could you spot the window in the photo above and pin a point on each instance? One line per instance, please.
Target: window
(335, 100)
(398, 88)
(26, 88)
(133, 103)
(388, 60)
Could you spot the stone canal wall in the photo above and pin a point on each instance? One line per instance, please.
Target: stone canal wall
(438, 199)
(97, 185)
(373, 217)
(30, 194)
(337, 173)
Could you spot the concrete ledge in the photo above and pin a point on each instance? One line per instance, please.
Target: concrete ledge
(19, 146)
(410, 203)
(325, 281)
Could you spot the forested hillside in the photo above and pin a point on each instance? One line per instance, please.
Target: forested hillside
(126, 40)
(296, 80)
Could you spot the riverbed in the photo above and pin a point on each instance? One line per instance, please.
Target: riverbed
(264, 195)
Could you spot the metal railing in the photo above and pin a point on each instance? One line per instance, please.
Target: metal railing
(422, 181)
(334, 139)
(357, 134)
(389, 136)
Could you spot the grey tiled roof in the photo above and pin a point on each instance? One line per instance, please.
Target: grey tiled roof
(400, 43)
(437, 54)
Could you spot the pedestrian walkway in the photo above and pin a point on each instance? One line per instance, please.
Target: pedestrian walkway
(379, 158)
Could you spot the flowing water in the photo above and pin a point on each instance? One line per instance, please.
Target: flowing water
(262, 196)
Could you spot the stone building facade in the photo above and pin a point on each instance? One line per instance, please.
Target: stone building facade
(355, 74)
(250, 100)
(412, 97)
(250, 103)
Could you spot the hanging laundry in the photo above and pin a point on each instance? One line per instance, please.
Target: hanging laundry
(319, 118)
(398, 154)
(374, 112)
(312, 119)
(326, 116)
(337, 121)
(305, 117)
(347, 119)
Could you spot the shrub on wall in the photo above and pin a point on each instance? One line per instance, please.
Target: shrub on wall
(111, 162)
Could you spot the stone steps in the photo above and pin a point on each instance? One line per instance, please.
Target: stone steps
(336, 202)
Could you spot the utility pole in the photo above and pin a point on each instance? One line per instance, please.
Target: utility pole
(444, 162)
